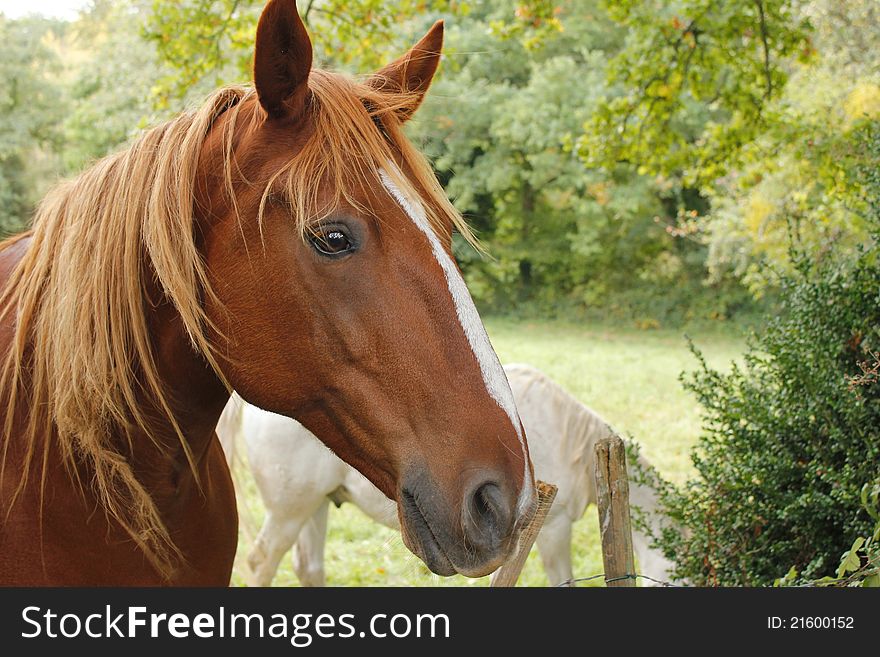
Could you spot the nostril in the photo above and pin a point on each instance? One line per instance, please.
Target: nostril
(489, 513)
(487, 502)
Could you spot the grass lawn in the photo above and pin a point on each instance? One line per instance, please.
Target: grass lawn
(628, 376)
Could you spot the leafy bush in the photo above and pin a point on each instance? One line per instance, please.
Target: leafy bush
(791, 437)
(860, 565)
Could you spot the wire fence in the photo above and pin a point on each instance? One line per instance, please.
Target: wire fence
(608, 580)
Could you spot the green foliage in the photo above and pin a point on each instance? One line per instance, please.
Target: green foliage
(791, 440)
(584, 139)
(692, 81)
(31, 108)
(500, 125)
(110, 89)
(753, 103)
(532, 23)
(799, 177)
(211, 43)
(70, 93)
(860, 564)
(200, 39)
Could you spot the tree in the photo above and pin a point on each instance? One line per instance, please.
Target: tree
(501, 125)
(693, 81)
(113, 83)
(32, 105)
(530, 124)
(798, 178)
(202, 40)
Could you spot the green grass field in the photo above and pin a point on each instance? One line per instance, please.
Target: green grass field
(628, 376)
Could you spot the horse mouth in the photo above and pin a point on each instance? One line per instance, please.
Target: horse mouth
(421, 538)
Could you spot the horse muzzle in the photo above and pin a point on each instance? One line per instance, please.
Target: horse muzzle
(473, 534)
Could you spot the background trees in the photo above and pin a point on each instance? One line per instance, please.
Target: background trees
(651, 160)
(31, 110)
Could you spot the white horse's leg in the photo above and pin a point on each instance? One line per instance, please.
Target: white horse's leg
(276, 537)
(308, 553)
(554, 546)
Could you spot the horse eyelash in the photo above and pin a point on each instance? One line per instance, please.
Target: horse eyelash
(279, 198)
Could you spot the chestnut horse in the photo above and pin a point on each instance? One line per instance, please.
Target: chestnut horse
(275, 231)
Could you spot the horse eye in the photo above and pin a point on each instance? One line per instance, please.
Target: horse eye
(330, 241)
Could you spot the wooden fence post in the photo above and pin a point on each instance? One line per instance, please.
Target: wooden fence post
(612, 501)
(510, 571)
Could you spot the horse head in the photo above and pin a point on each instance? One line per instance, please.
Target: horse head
(336, 300)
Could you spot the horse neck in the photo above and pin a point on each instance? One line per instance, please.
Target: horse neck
(197, 397)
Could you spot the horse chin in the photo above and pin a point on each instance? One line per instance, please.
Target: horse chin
(429, 551)
(422, 540)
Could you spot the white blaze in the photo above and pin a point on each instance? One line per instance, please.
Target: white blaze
(469, 318)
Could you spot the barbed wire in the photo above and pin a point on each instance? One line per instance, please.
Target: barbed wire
(608, 580)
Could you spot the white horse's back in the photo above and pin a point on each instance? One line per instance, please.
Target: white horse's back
(562, 434)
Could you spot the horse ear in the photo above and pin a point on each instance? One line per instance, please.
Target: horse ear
(282, 60)
(412, 73)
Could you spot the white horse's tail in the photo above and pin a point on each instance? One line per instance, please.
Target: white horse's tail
(642, 496)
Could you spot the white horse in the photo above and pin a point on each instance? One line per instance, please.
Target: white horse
(298, 477)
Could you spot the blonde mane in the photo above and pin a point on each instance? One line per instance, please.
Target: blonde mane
(81, 363)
